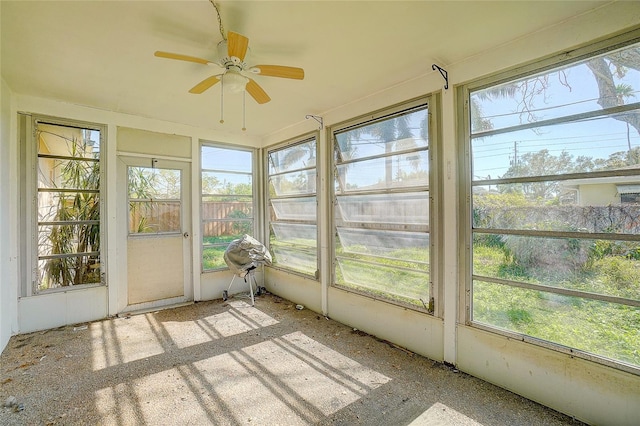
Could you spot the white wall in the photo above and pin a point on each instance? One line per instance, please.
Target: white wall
(8, 299)
(591, 392)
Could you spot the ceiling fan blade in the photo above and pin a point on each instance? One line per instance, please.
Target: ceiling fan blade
(280, 71)
(237, 45)
(204, 85)
(180, 57)
(257, 92)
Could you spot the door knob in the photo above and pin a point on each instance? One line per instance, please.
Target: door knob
(186, 234)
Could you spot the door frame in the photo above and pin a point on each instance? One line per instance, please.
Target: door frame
(125, 160)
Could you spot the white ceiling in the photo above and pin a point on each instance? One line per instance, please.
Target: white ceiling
(100, 53)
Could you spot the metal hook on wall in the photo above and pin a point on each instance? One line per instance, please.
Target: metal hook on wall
(317, 118)
(443, 73)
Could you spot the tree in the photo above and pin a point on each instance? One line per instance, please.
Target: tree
(539, 163)
(80, 204)
(605, 70)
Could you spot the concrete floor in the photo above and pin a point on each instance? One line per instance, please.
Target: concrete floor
(227, 363)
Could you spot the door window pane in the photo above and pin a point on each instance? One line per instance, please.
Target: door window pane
(154, 200)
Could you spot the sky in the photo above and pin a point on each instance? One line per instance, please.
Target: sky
(572, 91)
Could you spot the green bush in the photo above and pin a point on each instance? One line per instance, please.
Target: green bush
(241, 227)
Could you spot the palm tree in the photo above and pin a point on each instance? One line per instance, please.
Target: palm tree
(77, 201)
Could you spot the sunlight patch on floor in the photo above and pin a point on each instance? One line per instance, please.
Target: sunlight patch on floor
(128, 339)
(240, 319)
(298, 379)
(441, 415)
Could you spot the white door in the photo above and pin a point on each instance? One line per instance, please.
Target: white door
(158, 232)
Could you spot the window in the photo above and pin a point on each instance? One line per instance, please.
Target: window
(68, 206)
(293, 233)
(381, 214)
(227, 200)
(154, 200)
(555, 249)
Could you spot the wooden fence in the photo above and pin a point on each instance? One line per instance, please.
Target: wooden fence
(219, 218)
(225, 218)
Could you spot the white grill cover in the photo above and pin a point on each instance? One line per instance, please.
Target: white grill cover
(244, 254)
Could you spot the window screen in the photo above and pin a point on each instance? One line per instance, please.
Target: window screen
(226, 201)
(381, 214)
(555, 247)
(68, 206)
(293, 232)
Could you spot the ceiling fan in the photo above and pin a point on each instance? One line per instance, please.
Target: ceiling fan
(235, 72)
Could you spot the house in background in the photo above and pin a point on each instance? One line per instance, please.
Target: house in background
(605, 191)
(362, 178)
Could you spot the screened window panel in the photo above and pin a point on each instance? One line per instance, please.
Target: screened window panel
(295, 209)
(574, 147)
(294, 258)
(396, 171)
(70, 174)
(296, 157)
(294, 183)
(599, 327)
(68, 206)
(63, 141)
(227, 205)
(227, 184)
(587, 207)
(213, 255)
(227, 210)
(295, 233)
(226, 160)
(364, 142)
(412, 246)
(390, 281)
(381, 215)
(567, 270)
(292, 176)
(69, 271)
(605, 267)
(228, 230)
(67, 239)
(564, 91)
(65, 205)
(410, 208)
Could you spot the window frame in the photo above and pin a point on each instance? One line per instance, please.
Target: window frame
(465, 266)
(308, 137)
(254, 193)
(429, 103)
(29, 207)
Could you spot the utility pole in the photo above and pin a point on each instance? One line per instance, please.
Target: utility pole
(514, 160)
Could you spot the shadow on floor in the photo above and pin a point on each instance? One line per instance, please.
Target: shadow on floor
(228, 363)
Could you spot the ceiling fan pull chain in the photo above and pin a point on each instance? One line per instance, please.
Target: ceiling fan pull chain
(244, 111)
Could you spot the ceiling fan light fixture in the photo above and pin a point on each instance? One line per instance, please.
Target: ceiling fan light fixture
(234, 82)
